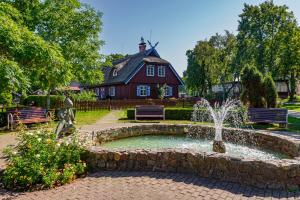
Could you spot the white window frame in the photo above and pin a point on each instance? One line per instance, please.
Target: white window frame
(115, 73)
(143, 88)
(161, 71)
(112, 91)
(167, 92)
(150, 70)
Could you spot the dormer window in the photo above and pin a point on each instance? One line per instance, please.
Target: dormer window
(150, 70)
(115, 73)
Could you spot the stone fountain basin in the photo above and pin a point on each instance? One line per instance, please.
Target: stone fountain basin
(283, 173)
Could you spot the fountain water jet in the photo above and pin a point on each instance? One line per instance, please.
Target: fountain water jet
(204, 111)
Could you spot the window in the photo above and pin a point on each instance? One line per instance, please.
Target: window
(169, 91)
(115, 73)
(112, 91)
(161, 71)
(102, 93)
(150, 70)
(143, 91)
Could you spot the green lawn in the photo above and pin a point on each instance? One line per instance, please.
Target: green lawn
(89, 117)
(294, 107)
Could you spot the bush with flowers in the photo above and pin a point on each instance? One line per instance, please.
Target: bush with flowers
(40, 161)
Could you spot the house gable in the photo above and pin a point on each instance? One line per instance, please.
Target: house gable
(171, 77)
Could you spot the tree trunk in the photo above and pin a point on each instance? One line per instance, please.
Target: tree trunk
(48, 99)
(293, 85)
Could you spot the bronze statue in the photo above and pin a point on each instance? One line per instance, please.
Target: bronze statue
(66, 119)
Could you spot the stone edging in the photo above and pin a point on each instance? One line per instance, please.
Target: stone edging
(265, 140)
(283, 173)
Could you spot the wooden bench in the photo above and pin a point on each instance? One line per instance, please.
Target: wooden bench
(30, 115)
(269, 115)
(149, 111)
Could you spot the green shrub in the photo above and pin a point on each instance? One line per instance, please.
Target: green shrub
(270, 93)
(84, 96)
(130, 114)
(253, 87)
(40, 161)
(41, 100)
(170, 113)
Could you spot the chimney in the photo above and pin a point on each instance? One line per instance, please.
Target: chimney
(142, 45)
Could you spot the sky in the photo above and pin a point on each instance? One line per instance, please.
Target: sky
(176, 24)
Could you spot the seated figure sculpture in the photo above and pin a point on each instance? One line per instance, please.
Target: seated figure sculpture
(66, 119)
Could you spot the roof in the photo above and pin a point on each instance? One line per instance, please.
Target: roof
(127, 67)
(155, 60)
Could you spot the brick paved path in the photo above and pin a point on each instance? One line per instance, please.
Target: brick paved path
(150, 186)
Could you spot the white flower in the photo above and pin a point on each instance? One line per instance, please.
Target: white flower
(58, 144)
(39, 139)
(29, 133)
(37, 155)
(14, 153)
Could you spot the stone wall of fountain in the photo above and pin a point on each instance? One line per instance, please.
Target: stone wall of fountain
(259, 139)
(270, 174)
(283, 173)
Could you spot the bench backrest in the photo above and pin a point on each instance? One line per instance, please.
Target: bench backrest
(149, 110)
(28, 113)
(268, 114)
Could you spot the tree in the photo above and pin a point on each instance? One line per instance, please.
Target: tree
(223, 66)
(199, 76)
(12, 80)
(265, 35)
(71, 30)
(110, 59)
(253, 87)
(212, 62)
(270, 93)
(75, 27)
(24, 54)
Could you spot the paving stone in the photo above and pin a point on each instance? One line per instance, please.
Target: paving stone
(148, 186)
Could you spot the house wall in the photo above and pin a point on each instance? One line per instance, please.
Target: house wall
(129, 91)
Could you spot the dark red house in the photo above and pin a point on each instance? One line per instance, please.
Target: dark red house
(138, 77)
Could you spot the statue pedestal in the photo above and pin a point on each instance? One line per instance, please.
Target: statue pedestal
(219, 146)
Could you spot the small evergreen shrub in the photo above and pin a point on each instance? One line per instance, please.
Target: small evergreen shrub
(270, 93)
(40, 161)
(253, 87)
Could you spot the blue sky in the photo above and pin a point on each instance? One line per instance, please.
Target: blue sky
(176, 24)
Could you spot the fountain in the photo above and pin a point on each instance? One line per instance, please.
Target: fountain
(229, 109)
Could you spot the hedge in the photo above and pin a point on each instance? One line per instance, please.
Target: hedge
(170, 113)
(41, 100)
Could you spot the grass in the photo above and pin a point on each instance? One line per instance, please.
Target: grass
(89, 117)
(294, 107)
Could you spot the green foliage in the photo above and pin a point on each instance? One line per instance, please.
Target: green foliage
(130, 113)
(270, 93)
(170, 113)
(84, 96)
(39, 160)
(41, 100)
(261, 35)
(52, 41)
(12, 80)
(212, 62)
(161, 90)
(110, 59)
(252, 83)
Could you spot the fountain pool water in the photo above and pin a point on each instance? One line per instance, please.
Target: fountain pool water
(182, 142)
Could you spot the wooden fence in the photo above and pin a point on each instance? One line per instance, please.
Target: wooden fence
(128, 103)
